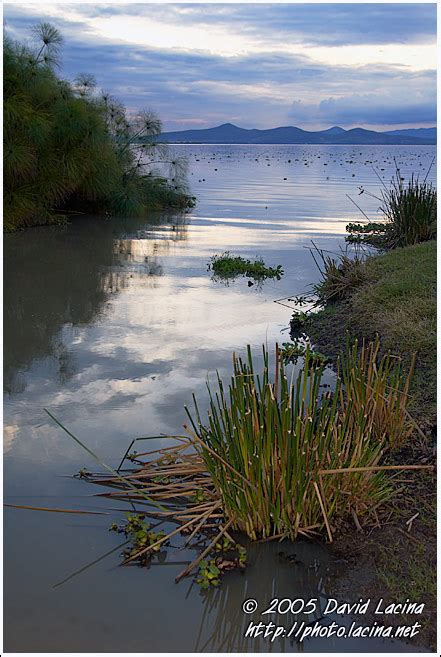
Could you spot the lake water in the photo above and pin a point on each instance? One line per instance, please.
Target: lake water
(111, 325)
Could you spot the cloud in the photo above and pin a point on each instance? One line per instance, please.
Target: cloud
(315, 24)
(395, 107)
(283, 78)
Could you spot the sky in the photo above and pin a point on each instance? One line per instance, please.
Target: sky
(254, 65)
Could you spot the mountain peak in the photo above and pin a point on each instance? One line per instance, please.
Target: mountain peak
(335, 130)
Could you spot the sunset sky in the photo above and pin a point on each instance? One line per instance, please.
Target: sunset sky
(255, 65)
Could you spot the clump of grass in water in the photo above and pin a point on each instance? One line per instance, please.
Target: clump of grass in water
(409, 210)
(276, 459)
(292, 450)
(339, 276)
(228, 266)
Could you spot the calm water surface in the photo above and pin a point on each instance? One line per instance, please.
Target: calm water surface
(112, 325)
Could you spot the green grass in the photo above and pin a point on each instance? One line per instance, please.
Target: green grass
(339, 276)
(397, 300)
(282, 454)
(409, 211)
(229, 266)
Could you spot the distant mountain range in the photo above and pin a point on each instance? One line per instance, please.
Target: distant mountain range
(227, 133)
(420, 133)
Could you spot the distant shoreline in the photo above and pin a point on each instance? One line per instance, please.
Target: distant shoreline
(233, 143)
(232, 134)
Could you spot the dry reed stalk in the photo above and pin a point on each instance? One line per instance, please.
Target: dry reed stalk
(43, 508)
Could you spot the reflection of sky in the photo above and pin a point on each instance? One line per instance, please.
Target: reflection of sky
(165, 324)
(122, 362)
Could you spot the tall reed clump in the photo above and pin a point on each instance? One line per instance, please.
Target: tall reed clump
(409, 211)
(286, 458)
(378, 387)
(339, 276)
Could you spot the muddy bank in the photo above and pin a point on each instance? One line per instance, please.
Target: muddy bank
(395, 559)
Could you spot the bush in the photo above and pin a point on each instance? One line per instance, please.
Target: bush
(67, 149)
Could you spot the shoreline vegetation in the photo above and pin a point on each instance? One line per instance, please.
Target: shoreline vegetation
(397, 300)
(276, 457)
(70, 150)
(391, 294)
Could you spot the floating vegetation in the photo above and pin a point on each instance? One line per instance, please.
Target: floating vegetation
(275, 458)
(298, 322)
(175, 486)
(233, 557)
(208, 574)
(140, 535)
(292, 351)
(372, 232)
(227, 266)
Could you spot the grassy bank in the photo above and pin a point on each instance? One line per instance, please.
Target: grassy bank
(396, 299)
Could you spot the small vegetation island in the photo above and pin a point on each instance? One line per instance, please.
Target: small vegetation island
(69, 150)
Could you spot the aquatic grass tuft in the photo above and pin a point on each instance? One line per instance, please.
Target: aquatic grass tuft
(339, 276)
(271, 446)
(379, 388)
(409, 211)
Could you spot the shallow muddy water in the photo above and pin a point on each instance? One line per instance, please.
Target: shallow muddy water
(111, 325)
